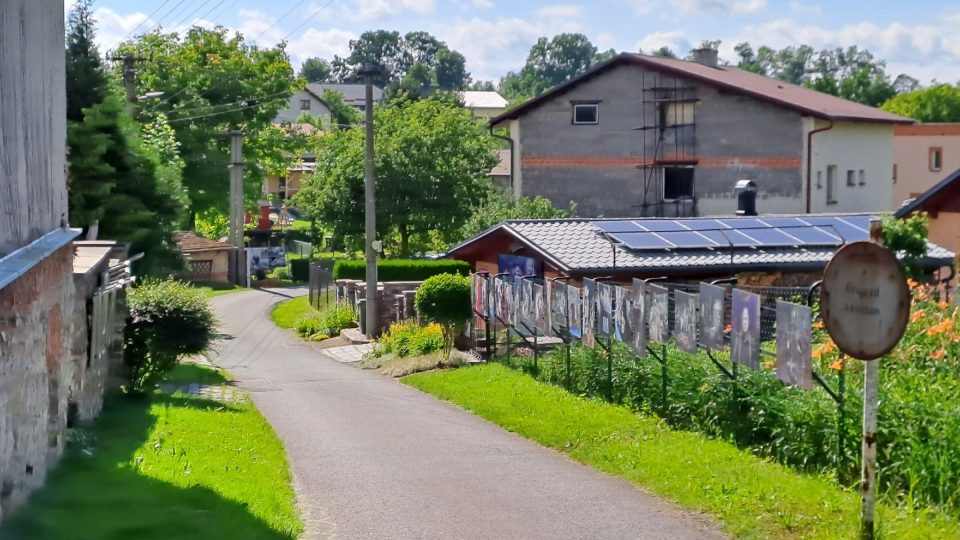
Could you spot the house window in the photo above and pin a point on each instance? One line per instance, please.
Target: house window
(586, 113)
(679, 113)
(862, 177)
(851, 177)
(819, 179)
(894, 173)
(831, 184)
(936, 158)
(677, 183)
(282, 188)
(304, 104)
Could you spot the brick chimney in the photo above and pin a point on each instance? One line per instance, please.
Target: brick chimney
(706, 56)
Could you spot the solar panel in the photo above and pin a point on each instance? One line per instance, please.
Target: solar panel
(642, 240)
(851, 228)
(689, 239)
(813, 236)
(771, 237)
(783, 221)
(617, 226)
(704, 224)
(743, 223)
(662, 225)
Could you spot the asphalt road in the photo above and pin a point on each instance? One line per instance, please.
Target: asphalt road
(375, 459)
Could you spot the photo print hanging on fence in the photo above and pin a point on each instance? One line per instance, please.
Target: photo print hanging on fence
(558, 307)
(517, 266)
(510, 302)
(526, 303)
(539, 310)
(605, 309)
(575, 312)
(711, 316)
(480, 295)
(621, 315)
(637, 318)
(659, 321)
(500, 301)
(794, 342)
(685, 321)
(745, 337)
(589, 322)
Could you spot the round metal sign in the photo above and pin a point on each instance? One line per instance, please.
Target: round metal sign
(864, 300)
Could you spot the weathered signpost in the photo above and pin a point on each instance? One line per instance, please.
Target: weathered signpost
(865, 305)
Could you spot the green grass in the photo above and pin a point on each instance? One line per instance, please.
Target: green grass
(187, 373)
(286, 314)
(166, 467)
(753, 498)
(214, 288)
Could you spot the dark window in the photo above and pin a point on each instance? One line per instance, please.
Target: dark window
(282, 188)
(831, 184)
(304, 104)
(586, 113)
(677, 183)
(936, 158)
(851, 178)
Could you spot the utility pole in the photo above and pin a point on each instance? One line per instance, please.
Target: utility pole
(239, 268)
(129, 79)
(368, 72)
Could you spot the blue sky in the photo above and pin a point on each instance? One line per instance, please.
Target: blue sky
(915, 37)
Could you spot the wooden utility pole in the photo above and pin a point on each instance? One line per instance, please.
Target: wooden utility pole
(238, 268)
(368, 72)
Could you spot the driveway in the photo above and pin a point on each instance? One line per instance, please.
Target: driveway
(375, 459)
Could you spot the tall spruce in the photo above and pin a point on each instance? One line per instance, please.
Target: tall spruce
(86, 80)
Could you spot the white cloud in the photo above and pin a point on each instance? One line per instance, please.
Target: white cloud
(482, 4)
(562, 11)
(714, 8)
(367, 10)
(321, 43)
(675, 40)
(605, 41)
(805, 10)
(113, 27)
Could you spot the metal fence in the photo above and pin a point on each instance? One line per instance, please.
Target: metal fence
(321, 285)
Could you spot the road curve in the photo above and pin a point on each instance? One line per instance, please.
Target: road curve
(375, 459)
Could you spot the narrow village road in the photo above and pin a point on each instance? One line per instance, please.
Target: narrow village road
(375, 459)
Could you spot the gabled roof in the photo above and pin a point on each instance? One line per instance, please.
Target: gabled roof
(577, 247)
(190, 242)
(475, 99)
(790, 96)
(946, 190)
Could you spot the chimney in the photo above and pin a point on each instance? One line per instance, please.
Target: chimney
(706, 56)
(746, 197)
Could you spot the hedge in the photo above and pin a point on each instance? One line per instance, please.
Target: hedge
(400, 269)
(300, 269)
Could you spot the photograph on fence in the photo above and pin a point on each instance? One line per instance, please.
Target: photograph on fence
(711, 316)
(589, 322)
(637, 318)
(745, 336)
(540, 310)
(558, 307)
(526, 303)
(500, 299)
(659, 313)
(794, 344)
(518, 266)
(480, 294)
(605, 309)
(685, 321)
(575, 312)
(621, 315)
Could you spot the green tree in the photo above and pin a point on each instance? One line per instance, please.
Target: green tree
(451, 70)
(936, 103)
(908, 237)
(341, 115)
(551, 62)
(499, 206)
(316, 70)
(381, 47)
(161, 146)
(432, 161)
(86, 79)
(214, 81)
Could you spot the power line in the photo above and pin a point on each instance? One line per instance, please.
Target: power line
(241, 101)
(178, 120)
(312, 15)
(150, 16)
(223, 10)
(209, 11)
(175, 14)
(200, 6)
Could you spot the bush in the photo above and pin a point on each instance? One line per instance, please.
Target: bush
(445, 299)
(168, 320)
(281, 273)
(400, 269)
(300, 269)
(409, 339)
(329, 321)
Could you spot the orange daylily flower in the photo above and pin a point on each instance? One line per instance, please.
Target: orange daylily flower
(939, 354)
(943, 304)
(912, 283)
(941, 328)
(769, 364)
(837, 364)
(917, 315)
(818, 325)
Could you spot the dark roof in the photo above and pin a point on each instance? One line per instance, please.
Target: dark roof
(189, 242)
(791, 96)
(931, 197)
(577, 247)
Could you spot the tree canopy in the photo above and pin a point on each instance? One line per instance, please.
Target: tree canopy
(551, 62)
(498, 206)
(85, 74)
(316, 70)
(432, 165)
(936, 103)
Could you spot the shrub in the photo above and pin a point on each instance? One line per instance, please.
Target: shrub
(308, 326)
(409, 339)
(168, 320)
(328, 321)
(300, 269)
(400, 269)
(445, 299)
(281, 273)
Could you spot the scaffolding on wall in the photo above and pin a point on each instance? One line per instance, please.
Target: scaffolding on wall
(668, 139)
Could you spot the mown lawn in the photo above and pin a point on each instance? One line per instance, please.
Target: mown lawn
(753, 498)
(166, 467)
(286, 314)
(213, 289)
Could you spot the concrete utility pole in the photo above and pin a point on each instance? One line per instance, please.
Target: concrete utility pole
(368, 72)
(238, 268)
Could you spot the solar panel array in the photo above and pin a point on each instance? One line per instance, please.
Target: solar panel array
(746, 232)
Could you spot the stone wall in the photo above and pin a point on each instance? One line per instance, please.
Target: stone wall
(395, 298)
(36, 325)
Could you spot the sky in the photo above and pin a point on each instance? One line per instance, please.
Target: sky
(914, 36)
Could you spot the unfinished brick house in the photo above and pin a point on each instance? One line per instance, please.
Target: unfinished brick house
(646, 136)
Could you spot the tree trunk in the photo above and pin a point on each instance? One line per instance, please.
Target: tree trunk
(404, 241)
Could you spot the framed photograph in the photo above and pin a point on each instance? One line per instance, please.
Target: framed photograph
(637, 318)
(605, 326)
(685, 321)
(501, 299)
(659, 313)
(526, 302)
(539, 310)
(575, 312)
(711, 316)
(794, 344)
(745, 336)
(480, 295)
(621, 315)
(518, 266)
(558, 307)
(589, 322)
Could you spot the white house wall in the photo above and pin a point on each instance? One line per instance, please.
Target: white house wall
(866, 147)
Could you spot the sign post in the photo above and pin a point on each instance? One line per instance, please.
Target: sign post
(865, 303)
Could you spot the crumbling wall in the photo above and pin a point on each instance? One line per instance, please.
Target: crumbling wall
(36, 325)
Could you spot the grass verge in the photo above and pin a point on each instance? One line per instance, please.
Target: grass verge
(212, 289)
(753, 498)
(286, 314)
(166, 467)
(393, 366)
